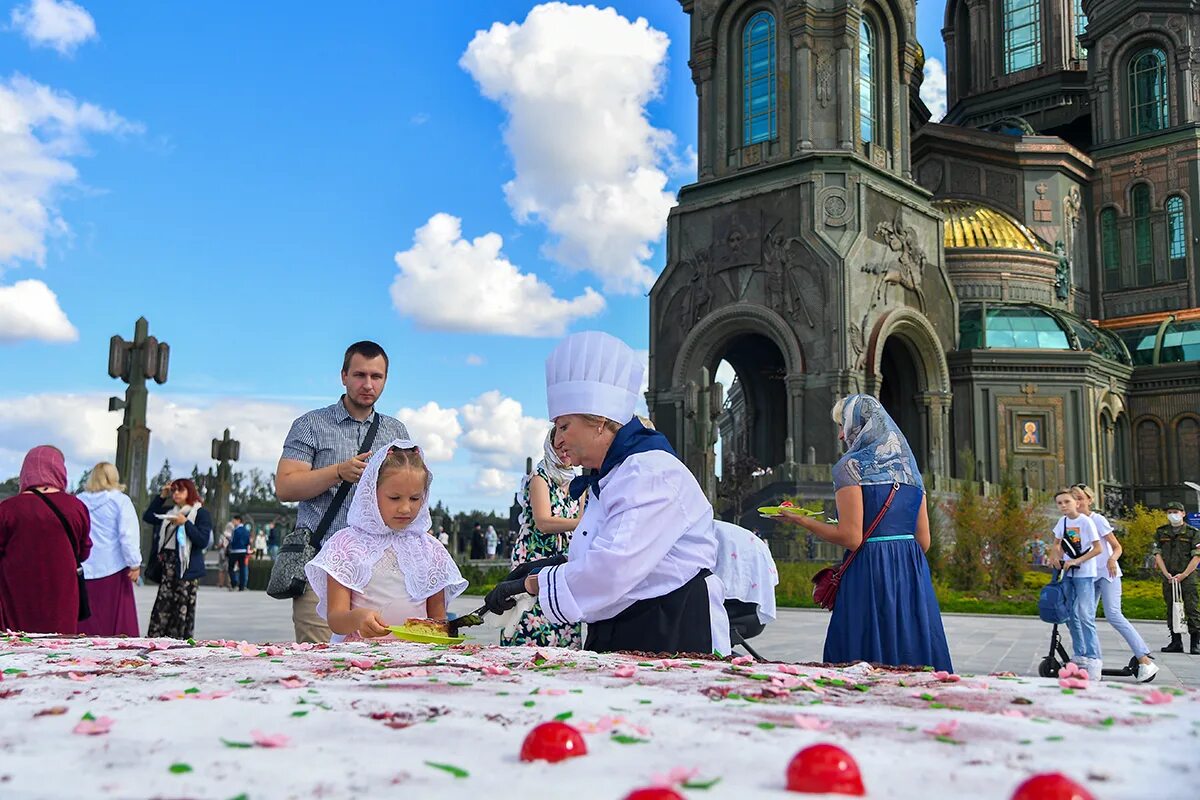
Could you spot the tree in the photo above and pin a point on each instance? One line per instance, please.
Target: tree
(83, 479)
(10, 487)
(1012, 525)
(736, 484)
(964, 567)
(161, 479)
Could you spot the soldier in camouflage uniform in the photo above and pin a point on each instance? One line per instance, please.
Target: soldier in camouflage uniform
(1176, 554)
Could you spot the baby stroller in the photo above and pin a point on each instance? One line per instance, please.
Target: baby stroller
(746, 568)
(1053, 607)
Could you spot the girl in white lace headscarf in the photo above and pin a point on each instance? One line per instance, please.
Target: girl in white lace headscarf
(384, 568)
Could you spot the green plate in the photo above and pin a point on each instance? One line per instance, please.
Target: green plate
(775, 511)
(401, 632)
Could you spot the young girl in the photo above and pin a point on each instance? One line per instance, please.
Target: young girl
(385, 567)
(1076, 535)
(1108, 582)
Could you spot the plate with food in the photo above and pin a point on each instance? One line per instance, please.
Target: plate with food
(787, 505)
(429, 631)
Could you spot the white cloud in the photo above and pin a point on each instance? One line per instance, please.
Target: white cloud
(29, 310)
(498, 433)
(575, 81)
(933, 89)
(434, 428)
(418, 119)
(494, 482)
(60, 24)
(40, 129)
(474, 360)
(182, 429)
(449, 283)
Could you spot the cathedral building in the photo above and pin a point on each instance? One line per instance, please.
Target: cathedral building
(1017, 282)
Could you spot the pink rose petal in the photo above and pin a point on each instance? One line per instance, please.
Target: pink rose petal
(786, 681)
(76, 676)
(361, 663)
(946, 677)
(808, 723)
(492, 669)
(270, 739)
(247, 649)
(1157, 698)
(946, 728)
(741, 661)
(627, 671)
(789, 669)
(1073, 683)
(552, 692)
(293, 682)
(93, 727)
(274, 650)
(676, 776)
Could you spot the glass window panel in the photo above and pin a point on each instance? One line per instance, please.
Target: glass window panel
(1080, 27)
(1148, 450)
(758, 79)
(1143, 243)
(866, 81)
(1148, 91)
(1187, 447)
(1022, 34)
(1177, 238)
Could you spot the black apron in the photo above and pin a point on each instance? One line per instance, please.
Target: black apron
(676, 622)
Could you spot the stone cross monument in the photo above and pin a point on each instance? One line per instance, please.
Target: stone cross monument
(224, 450)
(135, 362)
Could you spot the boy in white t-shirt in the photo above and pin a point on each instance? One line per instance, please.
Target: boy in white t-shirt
(1075, 535)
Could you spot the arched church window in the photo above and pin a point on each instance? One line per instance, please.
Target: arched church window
(758, 79)
(1148, 91)
(1143, 242)
(1110, 249)
(1080, 27)
(1177, 238)
(1149, 450)
(867, 83)
(1187, 448)
(1022, 34)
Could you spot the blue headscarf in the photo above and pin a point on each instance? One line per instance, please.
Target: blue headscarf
(877, 451)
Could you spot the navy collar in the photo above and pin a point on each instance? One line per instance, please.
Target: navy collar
(631, 439)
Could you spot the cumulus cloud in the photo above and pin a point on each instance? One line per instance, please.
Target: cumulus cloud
(60, 24)
(40, 129)
(493, 482)
(498, 433)
(434, 428)
(933, 89)
(182, 429)
(575, 81)
(449, 283)
(29, 310)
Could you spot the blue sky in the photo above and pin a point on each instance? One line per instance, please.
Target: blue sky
(244, 175)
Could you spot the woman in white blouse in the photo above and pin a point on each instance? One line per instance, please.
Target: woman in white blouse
(115, 561)
(640, 566)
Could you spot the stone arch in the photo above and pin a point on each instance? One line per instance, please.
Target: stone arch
(921, 336)
(716, 329)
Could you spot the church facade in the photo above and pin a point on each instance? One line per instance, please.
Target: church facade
(1017, 283)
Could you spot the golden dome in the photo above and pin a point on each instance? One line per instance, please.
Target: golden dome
(971, 224)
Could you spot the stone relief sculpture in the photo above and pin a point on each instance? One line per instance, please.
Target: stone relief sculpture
(1062, 273)
(907, 271)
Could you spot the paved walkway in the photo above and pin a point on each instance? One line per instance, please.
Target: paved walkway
(979, 644)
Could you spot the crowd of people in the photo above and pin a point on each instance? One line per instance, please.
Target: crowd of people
(613, 531)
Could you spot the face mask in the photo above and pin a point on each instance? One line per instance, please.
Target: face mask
(1175, 519)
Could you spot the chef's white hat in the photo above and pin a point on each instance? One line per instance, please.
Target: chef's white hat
(593, 373)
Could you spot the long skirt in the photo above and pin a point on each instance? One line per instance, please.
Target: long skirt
(886, 610)
(174, 612)
(114, 612)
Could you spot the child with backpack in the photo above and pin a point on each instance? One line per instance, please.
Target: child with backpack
(1076, 537)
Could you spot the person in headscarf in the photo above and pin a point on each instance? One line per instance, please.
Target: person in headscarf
(384, 567)
(640, 566)
(39, 556)
(886, 610)
(548, 516)
(184, 531)
(116, 559)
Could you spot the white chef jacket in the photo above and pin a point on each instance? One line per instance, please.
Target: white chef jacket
(647, 533)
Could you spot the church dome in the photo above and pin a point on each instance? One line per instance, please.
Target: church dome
(1030, 326)
(975, 225)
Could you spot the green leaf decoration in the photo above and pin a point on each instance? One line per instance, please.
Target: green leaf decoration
(237, 745)
(299, 713)
(1108, 722)
(457, 772)
(529, 704)
(244, 681)
(242, 796)
(13, 671)
(767, 726)
(622, 738)
(563, 717)
(1054, 738)
(702, 785)
(947, 740)
(192, 690)
(87, 715)
(926, 696)
(179, 768)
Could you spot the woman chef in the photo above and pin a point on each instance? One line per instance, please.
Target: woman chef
(639, 567)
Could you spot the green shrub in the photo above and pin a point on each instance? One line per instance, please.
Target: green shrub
(964, 567)
(1136, 534)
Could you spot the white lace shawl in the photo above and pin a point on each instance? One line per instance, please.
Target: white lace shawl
(350, 555)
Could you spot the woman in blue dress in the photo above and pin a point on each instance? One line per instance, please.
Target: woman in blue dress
(886, 610)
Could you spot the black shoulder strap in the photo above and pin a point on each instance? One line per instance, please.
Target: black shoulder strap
(340, 497)
(66, 525)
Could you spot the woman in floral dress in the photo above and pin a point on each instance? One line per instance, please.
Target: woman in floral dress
(548, 517)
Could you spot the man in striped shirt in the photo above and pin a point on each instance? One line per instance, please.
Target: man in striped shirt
(321, 451)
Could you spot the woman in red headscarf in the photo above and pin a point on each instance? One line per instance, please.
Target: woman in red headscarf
(39, 556)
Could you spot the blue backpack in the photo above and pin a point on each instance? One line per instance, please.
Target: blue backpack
(1054, 606)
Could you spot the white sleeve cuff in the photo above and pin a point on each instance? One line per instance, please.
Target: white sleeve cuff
(558, 604)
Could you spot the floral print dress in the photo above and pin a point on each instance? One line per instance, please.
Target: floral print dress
(533, 628)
